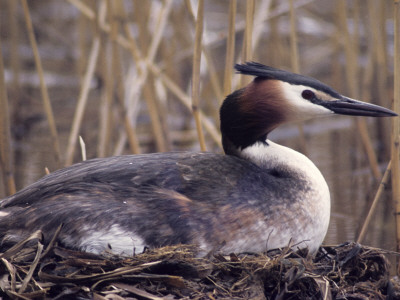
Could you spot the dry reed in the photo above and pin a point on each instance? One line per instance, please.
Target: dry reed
(351, 50)
(295, 64)
(196, 73)
(374, 204)
(148, 89)
(45, 95)
(230, 48)
(6, 157)
(14, 57)
(83, 148)
(396, 123)
(82, 100)
(247, 53)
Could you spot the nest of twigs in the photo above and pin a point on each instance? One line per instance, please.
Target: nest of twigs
(348, 271)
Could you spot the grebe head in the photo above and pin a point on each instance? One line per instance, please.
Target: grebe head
(277, 96)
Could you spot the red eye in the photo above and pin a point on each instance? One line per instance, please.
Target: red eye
(307, 94)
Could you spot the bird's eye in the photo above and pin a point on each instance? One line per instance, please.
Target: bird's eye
(307, 94)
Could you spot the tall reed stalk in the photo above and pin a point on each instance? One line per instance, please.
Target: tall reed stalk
(374, 204)
(82, 101)
(396, 123)
(148, 89)
(6, 159)
(43, 87)
(230, 48)
(351, 51)
(196, 73)
(14, 56)
(247, 53)
(295, 63)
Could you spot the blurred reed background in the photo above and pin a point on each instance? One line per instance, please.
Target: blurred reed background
(124, 75)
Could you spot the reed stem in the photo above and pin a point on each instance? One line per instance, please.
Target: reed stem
(248, 51)
(230, 49)
(247, 54)
(351, 51)
(196, 73)
(14, 56)
(186, 101)
(294, 56)
(82, 101)
(6, 158)
(374, 204)
(105, 101)
(294, 49)
(84, 92)
(395, 151)
(83, 148)
(148, 89)
(43, 87)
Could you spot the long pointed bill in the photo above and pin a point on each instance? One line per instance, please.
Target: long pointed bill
(348, 106)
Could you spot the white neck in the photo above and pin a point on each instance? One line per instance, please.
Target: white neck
(275, 156)
(315, 202)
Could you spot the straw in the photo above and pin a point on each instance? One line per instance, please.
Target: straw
(83, 148)
(107, 74)
(351, 51)
(294, 56)
(248, 51)
(230, 49)
(43, 88)
(6, 161)
(14, 57)
(196, 73)
(247, 54)
(82, 100)
(186, 101)
(395, 153)
(374, 204)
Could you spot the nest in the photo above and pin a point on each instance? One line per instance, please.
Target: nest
(348, 271)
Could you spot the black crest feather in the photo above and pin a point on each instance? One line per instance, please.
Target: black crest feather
(267, 72)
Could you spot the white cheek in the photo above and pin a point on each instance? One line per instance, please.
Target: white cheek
(300, 108)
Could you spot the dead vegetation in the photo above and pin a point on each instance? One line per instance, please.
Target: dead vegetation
(348, 271)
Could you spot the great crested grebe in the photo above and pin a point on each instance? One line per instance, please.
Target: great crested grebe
(258, 196)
